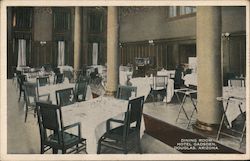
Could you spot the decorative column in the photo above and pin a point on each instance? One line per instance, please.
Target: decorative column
(112, 50)
(209, 67)
(77, 39)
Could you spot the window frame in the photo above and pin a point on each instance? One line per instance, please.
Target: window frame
(178, 14)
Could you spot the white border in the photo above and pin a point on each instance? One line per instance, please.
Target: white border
(3, 73)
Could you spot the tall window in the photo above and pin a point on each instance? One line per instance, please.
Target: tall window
(174, 11)
(95, 22)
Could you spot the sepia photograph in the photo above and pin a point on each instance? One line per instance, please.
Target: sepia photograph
(124, 80)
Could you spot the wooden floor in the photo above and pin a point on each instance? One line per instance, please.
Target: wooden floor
(161, 136)
(174, 136)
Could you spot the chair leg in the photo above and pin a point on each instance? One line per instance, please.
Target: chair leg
(99, 146)
(26, 113)
(139, 150)
(55, 151)
(63, 151)
(20, 92)
(42, 149)
(125, 148)
(35, 111)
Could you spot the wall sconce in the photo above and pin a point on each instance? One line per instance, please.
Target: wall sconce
(151, 42)
(225, 35)
(43, 43)
(120, 45)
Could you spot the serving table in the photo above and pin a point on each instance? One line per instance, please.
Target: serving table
(234, 103)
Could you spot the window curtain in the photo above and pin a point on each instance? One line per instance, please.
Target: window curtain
(21, 61)
(172, 11)
(61, 53)
(95, 54)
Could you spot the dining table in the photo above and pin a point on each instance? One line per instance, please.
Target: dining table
(52, 88)
(144, 85)
(92, 115)
(190, 79)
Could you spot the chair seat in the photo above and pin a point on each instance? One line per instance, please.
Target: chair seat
(117, 133)
(69, 139)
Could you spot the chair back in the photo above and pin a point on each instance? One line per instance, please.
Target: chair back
(65, 97)
(31, 93)
(59, 78)
(49, 119)
(57, 70)
(134, 114)
(125, 92)
(21, 79)
(160, 82)
(81, 90)
(42, 81)
(18, 73)
(47, 67)
(68, 74)
(237, 82)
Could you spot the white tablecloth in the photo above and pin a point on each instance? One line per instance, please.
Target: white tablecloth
(124, 73)
(65, 68)
(93, 115)
(190, 79)
(233, 110)
(21, 68)
(169, 73)
(143, 85)
(51, 89)
(33, 79)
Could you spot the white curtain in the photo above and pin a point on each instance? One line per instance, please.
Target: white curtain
(21, 61)
(172, 11)
(61, 52)
(95, 54)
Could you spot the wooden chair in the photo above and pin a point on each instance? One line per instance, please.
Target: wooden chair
(59, 78)
(159, 86)
(125, 92)
(42, 81)
(56, 71)
(128, 132)
(236, 82)
(54, 135)
(31, 97)
(21, 79)
(68, 74)
(81, 90)
(65, 97)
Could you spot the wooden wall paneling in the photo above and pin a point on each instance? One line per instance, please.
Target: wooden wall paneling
(131, 54)
(140, 50)
(146, 51)
(161, 55)
(243, 56)
(153, 51)
(143, 51)
(126, 54)
(137, 51)
(124, 48)
(123, 58)
(164, 53)
(144, 55)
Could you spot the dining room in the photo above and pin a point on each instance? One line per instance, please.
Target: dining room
(126, 79)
